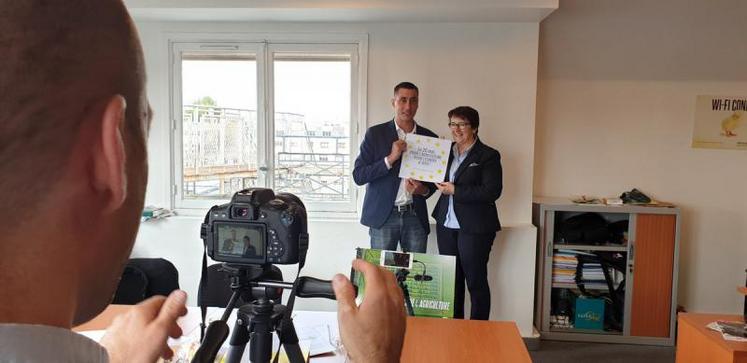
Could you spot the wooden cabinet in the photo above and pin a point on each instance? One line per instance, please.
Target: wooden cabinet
(636, 300)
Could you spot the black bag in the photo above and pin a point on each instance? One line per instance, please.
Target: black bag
(146, 277)
(618, 232)
(585, 228)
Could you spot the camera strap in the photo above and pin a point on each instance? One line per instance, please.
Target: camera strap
(203, 290)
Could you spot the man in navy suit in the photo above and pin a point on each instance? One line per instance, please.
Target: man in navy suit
(394, 208)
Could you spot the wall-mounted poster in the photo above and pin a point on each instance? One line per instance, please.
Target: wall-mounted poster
(425, 158)
(720, 122)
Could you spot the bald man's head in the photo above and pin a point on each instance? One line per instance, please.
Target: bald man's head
(61, 60)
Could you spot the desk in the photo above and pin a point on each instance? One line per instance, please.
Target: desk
(696, 343)
(426, 340)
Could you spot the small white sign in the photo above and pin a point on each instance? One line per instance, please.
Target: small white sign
(425, 158)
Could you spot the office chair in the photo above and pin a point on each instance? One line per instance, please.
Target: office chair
(146, 277)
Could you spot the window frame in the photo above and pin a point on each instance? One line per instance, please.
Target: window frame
(265, 46)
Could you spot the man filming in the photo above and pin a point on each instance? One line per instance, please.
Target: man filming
(74, 121)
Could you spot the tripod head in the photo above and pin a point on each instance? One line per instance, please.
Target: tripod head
(251, 281)
(401, 274)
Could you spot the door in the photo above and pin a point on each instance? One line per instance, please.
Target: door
(653, 262)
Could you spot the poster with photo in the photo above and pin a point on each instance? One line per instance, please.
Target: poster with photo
(429, 279)
(720, 122)
(425, 158)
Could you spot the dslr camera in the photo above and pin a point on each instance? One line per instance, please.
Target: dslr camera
(258, 227)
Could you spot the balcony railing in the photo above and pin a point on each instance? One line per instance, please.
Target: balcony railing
(220, 155)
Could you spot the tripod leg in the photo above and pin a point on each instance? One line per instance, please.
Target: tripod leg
(260, 344)
(408, 302)
(289, 340)
(237, 344)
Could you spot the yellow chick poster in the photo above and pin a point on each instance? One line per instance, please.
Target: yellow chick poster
(720, 122)
(425, 158)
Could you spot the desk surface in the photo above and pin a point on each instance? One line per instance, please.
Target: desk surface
(699, 321)
(696, 343)
(426, 339)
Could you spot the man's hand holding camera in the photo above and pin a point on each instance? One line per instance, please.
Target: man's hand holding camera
(375, 330)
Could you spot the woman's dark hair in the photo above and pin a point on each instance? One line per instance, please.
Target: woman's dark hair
(468, 114)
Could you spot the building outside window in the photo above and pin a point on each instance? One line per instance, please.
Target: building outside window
(265, 115)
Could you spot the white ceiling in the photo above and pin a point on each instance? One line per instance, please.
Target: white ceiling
(343, 10)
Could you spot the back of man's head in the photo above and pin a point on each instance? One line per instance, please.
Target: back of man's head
(59, 59)
(72, 155)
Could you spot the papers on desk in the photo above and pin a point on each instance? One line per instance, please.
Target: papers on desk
(321, 339)
(317, 334)
(718, 326)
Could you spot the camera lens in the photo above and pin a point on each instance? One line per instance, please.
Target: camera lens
(242, 212)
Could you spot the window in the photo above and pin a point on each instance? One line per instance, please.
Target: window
(265, 114)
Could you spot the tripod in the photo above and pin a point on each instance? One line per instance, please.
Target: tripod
(401, 275)
(256, 321)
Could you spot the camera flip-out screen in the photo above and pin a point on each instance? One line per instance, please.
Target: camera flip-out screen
(241, 240)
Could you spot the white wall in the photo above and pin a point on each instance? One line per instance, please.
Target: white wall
(489, 66)
(616, 97)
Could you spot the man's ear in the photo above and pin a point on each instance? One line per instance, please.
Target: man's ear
(109, 159)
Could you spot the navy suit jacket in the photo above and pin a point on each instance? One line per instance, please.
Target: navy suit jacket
(478, 183)
(382, 183)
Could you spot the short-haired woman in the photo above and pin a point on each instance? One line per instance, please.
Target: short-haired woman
(466, 215)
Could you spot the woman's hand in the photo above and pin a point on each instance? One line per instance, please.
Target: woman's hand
(446, 188)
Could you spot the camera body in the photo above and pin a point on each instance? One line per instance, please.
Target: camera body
(257, 227)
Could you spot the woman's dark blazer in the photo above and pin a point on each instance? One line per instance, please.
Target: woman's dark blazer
(477, 185)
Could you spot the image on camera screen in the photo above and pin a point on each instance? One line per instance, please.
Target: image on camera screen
(396, 259)
(243, 241)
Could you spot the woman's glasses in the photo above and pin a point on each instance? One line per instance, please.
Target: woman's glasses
(460, 125)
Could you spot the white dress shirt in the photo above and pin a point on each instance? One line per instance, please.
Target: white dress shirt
(451, 218)
(403, 196)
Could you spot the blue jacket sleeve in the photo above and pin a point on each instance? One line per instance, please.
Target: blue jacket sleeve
(367, 168)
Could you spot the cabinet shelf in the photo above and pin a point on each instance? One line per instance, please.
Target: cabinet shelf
(560, 285)
(584, 331)
(565, 246)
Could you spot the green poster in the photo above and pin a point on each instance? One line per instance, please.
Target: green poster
(429, 279)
